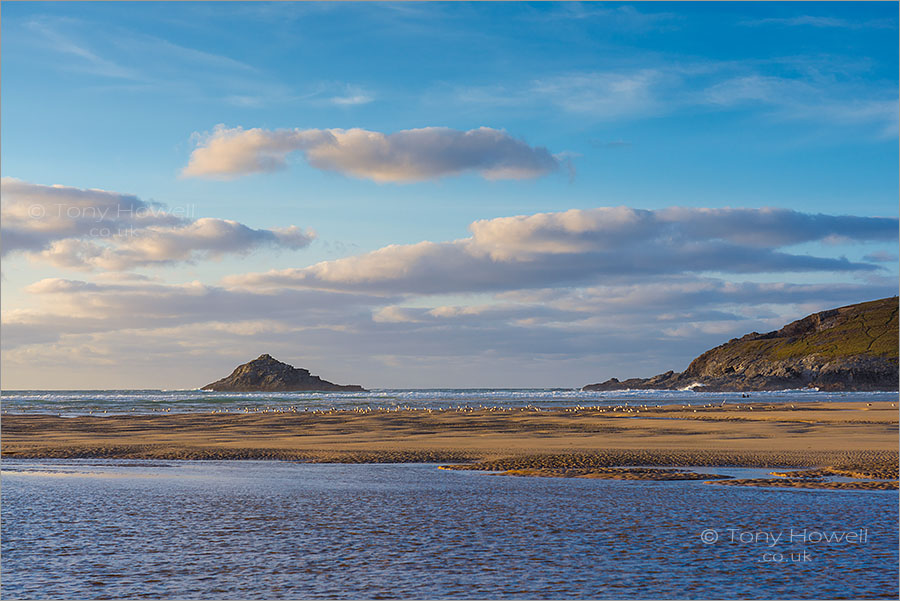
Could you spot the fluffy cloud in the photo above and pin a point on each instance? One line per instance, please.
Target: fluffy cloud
(157, 304)
(201, 239)
(34, 215)
(97, 229)
(580, 246)
(66, 313)
(677, 298)
(404, 156)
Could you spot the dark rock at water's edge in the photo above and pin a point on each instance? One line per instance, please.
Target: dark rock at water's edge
(851, 348)
(266, 374)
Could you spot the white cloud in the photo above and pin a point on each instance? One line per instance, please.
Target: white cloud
(120, 56)
(34, 215)
(797, 99)
(619, 18)
(65, 306)
(579, 246)
(351, 100)
(822, 22)
(352, 96)
(79, 228)
(822, 90)
(404, 156)
(88, 60)
(608, 94)
(202, 239)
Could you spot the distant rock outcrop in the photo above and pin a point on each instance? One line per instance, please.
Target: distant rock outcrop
(852, 348)
(266, 374)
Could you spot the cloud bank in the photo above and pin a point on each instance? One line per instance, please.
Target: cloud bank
(581, 246)
(97, 229)
(574, 296)
(404, 156)
(565, 337)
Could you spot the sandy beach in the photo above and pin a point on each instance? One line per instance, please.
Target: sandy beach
(803, 435)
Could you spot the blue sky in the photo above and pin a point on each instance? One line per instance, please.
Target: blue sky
(791, 106)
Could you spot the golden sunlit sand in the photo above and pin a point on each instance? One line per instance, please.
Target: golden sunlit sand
(849, 436)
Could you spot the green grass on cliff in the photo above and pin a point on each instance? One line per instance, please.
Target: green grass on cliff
(864, 329)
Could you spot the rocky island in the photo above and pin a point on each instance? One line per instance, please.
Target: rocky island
(852, 348)
(267, 374)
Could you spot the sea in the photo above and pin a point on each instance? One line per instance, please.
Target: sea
(151, 529)
(104, 529)
(70, 403)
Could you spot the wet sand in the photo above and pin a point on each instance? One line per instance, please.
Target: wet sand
(870, 470)
(807, 483)
(612, 473)
(758, 435)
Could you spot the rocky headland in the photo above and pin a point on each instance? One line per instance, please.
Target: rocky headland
(852, 348)
(267, 374)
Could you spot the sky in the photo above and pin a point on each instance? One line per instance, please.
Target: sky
(434, 194)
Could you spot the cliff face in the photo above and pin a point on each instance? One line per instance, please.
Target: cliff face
(266, 374)
(850, 348)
